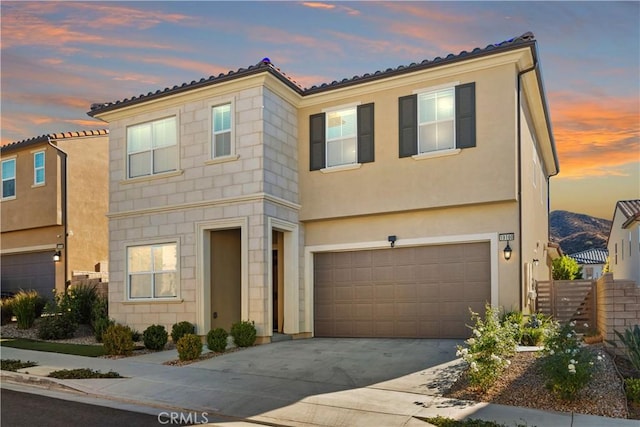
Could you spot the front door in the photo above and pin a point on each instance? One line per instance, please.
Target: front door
(225, 278)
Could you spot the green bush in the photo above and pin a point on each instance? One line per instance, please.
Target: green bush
(632, 388)
(117, 340)
(488, 350)
(566, 268)
(15, 364)
(631, 341)
(516, 320)
(244, 333)
(155, 337)
(217, 340)
(567, 366)
(25, 305)
(181, 329)
(81, 374)
(6, 310)
(82, 298)
(60, 322)
(100, 326)
(532, 336)
(189, 347)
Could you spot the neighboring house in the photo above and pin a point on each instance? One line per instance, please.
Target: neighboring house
(378, 205)
(54, 203)
(624, 241)
(592, 262)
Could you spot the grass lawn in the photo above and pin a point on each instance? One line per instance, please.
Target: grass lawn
(53, 347)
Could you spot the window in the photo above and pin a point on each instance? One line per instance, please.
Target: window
(152, 147)
(38, 168)
(8, 178)
(221, 119)
(436, 120)
(341, 137)
(152, 271)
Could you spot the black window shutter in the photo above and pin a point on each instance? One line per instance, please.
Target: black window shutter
(317, 142)
(408, 125)
(466, 115)
(366, 149)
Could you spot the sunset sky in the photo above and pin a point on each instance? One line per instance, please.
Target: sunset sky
(60, 57)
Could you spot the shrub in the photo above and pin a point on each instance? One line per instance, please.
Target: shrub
(117, 340)
(155, 337)
(99, 309)
(631, 341)
(24, 305)
(6, 311)
(189, 347)
(15, 364)
(136, 336)
(100, 326)
(82, 298)
(632, 388)
(567, 366)
(532, 336)
(516, 320)
(60, 322)
(244, 333)
(489, 348)
(81, 374)
(566, 268)
(217, 340)
(181, 329)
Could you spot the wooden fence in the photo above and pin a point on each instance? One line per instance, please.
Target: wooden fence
(568, 300)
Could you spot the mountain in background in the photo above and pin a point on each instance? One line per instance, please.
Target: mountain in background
(578, 232)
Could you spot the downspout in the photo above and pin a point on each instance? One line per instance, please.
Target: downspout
(64, 209)
(519, 155)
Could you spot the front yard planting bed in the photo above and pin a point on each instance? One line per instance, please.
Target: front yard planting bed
(13, 365)
(81, 374)
(54, 347)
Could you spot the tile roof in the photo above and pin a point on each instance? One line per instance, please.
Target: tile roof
(525, 40)
(630, 209)
(52, 136)
(591, 256)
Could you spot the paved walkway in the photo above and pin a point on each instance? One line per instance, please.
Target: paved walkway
(314, 382)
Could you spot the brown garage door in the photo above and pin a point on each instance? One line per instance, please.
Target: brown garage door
(422, 292)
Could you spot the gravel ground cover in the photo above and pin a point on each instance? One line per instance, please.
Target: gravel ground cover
(523, 384)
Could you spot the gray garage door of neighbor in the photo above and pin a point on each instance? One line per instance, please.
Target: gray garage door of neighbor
(412, 292)
(29, 271)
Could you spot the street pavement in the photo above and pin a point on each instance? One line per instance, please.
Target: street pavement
(310, 382)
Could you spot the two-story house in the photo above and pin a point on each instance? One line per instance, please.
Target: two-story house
(383, 205)
(624, 241)
(54, 205)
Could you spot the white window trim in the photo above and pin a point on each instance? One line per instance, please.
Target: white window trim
(147, 119)
(128, 298)
(345, 166)
(445, 152)
(15, 179)
(232, 150)
(44, 168)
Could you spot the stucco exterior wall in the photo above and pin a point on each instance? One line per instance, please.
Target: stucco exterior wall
(624, 249)
(482, 174)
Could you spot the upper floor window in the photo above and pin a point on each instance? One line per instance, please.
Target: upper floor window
(152, 147)
(152, 271)
(38, 168)
(9, 178)
(437, 120)
(221, 118)
(341, 137)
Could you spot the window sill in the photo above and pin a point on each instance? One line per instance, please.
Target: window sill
(38, 185)
(435, 154)
(341, 168)
(6, 199)
(152, 177)
(222, 159)
(153, 301)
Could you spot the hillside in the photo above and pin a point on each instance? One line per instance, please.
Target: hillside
(578, 232)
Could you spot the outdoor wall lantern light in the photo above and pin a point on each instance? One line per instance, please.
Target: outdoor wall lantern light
(392, 240)
(56, 256)
(507, 252)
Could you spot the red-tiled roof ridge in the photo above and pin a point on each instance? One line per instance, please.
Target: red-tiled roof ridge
(61, 135)
(266, 65)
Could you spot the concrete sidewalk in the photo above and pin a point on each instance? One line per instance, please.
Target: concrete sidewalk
(295, 383)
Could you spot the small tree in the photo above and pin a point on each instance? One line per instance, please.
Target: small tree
(566, 268)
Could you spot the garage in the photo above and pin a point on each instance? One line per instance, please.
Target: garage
(406, 292)
(34, 270)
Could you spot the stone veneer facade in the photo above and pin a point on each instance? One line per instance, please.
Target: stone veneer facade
(260, 183)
